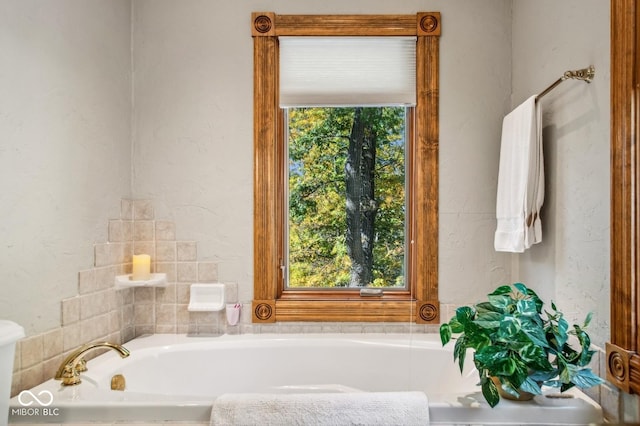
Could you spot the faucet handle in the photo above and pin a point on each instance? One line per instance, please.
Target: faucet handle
(69, 376)
(81, 365)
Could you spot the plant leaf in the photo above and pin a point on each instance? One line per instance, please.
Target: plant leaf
(585, 344)
(500, 301)
(521, 288)
(553, 383)
(527, 307)
(490, 392)
(529, 385)
(455, 325)
(460, 351)
(445, 333)
(488, 319)
(585, 358)
(587, 320)
(520, 373)
(535, 333)
(489, 358)
(534, 296)
(585, 378)
(464, 315)
(478, 337)
(503, 289)
(568, 372)
(509, 328)
(486, 307)
(505, 367)
(561, 332)
(508, 387)
(535, 358)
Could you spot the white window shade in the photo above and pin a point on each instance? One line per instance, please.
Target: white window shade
(347, 71)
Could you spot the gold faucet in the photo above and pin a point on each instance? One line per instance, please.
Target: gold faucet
(69, 371)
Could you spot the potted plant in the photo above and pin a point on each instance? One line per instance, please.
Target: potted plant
(519, 346)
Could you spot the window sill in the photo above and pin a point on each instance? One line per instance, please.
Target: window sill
(358, 309)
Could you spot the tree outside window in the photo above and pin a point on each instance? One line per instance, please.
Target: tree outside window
(346, 197)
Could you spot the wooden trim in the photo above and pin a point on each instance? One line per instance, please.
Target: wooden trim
(265, 171)
(428, 24)
(623, 368)
(428, 312)
(268, 24)
(623, 361)
(426, 164)
(346, 25)
(360, 311)
(263, 24)
(623, 175)
(264, 311)
(420, 302)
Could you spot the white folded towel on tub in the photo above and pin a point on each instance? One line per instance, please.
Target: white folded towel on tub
(357, 408)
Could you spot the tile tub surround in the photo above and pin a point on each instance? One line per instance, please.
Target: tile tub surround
(100, 312)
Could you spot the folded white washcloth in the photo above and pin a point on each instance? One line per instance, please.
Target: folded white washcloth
(357, 408)
(520, 180)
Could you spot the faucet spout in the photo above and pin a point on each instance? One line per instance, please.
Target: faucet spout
(68, 371)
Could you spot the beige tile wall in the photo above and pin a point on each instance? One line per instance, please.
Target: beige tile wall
(101, 312)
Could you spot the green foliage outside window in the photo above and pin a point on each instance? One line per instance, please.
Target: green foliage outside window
(346, 197)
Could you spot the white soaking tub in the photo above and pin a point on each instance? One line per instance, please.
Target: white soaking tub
(177, 378)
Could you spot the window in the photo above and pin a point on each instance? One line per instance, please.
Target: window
(414, 300)
(346, 203)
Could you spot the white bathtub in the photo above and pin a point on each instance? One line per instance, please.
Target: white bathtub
(176, 378)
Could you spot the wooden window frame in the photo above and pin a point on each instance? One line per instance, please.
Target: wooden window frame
(623, 359)
(271, 302)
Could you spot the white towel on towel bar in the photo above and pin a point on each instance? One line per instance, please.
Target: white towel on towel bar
(520, 180)
(351, 408)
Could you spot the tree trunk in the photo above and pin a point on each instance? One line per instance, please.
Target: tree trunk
(361, 206)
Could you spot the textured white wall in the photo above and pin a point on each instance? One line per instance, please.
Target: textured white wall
(193, 149)
(65, 129)
(64, 146)
(571, 266)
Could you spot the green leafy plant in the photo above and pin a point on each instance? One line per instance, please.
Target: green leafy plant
(520, 344)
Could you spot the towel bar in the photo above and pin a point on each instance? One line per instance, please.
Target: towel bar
(585, 74)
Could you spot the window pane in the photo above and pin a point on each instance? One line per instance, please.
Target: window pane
(346, 197)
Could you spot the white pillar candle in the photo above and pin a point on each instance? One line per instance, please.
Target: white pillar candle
(141, 270)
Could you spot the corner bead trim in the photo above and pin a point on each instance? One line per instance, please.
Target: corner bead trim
(428, 312)
(618, 366)
(263, 24)
(428, 24)
(263, 311)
